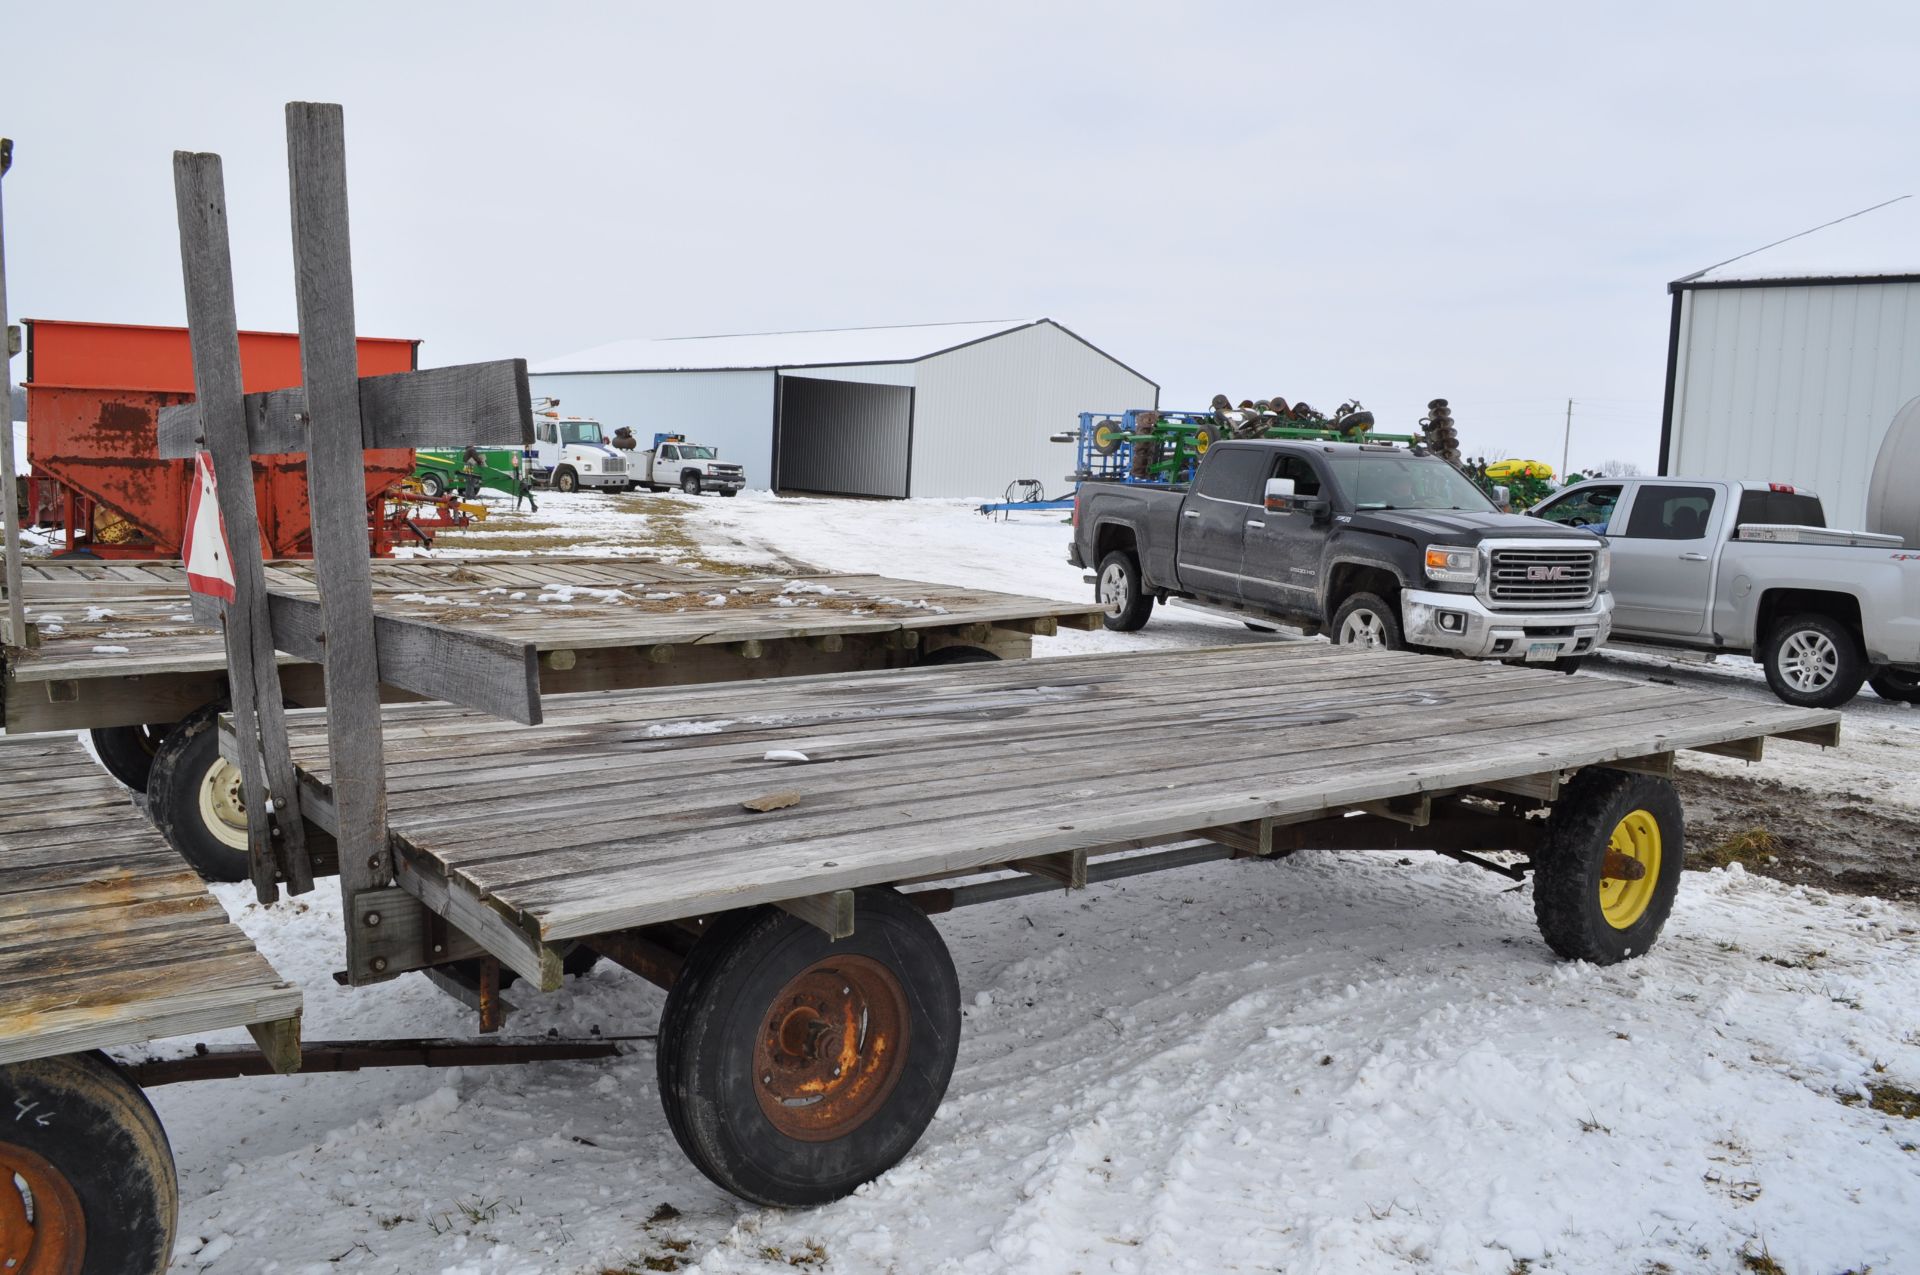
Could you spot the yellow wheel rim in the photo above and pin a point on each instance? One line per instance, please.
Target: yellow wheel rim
(223, 807)
(1624, 902)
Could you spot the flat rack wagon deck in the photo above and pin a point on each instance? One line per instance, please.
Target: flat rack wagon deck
(936, 772)
(118, 652)
(116, 646)
(106, 937)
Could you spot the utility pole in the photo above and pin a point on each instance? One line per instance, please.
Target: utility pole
(1566, 442)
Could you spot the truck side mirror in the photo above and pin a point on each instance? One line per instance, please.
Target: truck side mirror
(1279, 495)
(1502, 497)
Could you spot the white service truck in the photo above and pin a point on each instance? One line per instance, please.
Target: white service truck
(1752, 568)
(692, 467)
(571, 452)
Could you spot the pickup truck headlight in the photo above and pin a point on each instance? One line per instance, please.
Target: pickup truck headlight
(1602, 568)
(1453, 564)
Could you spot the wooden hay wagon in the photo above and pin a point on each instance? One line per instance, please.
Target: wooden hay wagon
(812, 1011)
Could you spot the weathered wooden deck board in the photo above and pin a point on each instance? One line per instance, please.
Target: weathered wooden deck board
(139, 657)
(106, 936)
(950, 770)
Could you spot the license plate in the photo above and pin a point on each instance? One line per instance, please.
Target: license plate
(1538, 652)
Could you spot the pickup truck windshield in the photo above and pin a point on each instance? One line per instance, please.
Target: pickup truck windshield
(1399, 480)
(689, 452)
(581, 432)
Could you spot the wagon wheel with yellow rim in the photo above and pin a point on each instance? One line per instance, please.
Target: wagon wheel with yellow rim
(1107, 436)
(1605, 879)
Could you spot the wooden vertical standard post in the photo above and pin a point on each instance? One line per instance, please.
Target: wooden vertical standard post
(16, 605)
(253, 673)
(336, 487)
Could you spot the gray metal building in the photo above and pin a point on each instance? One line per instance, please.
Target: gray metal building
(1788, 364)
(948, 409)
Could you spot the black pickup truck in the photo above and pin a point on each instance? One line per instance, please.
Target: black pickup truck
(1373, 544)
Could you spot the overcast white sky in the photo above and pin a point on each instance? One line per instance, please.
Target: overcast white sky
(1323, 200)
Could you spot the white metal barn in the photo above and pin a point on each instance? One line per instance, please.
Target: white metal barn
(948, 409)
(1789, 363)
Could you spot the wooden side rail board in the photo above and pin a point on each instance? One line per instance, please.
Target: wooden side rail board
(489, 674)
(441, 407)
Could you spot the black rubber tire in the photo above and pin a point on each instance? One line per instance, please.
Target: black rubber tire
(957, 655)
(127, 751)
(94, 1127)
(431, 484)
(470, 487)
(1135, 605)
(713, 1015)
(1850, 672)
(1566, 875)
(1392, 637)
(564, 479)
(1569, 663)
(690, 483)
(730, 491)
(180, 765)
(1893, 684)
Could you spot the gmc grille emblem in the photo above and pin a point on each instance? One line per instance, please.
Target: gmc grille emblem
(1561, 572)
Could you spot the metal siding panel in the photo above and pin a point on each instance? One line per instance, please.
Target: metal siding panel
(982, 414)
(1795, 385)
(845, 437)
(732, 411)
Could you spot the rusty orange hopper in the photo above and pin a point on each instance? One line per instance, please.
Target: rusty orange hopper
(94, 394)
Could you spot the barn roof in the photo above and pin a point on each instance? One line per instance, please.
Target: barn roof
(1878, 243)
(825, 347)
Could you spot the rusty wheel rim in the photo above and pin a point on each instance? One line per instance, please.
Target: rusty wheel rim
(830, 1048)
(42, 1229)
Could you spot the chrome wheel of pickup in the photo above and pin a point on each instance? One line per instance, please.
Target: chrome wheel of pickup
(1363, 628)
(1809, 661)
(1119, 593)
(1368, 621)
(1113, 588)
(1814, 661)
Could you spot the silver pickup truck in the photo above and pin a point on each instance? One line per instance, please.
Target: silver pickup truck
(1753, 568)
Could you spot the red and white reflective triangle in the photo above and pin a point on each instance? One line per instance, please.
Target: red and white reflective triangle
(205, 555)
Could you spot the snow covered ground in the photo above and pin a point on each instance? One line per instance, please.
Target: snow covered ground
(1333, 1063)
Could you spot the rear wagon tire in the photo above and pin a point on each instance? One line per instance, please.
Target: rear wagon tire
(188, 792)
(750, 1021)
(1814, 661)
(99, 1170)
(1583, 914)
(431, 484)
(1118, 590)
(127, 751)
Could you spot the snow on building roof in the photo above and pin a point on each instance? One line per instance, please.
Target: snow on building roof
(821, 348)
(1878, 241)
